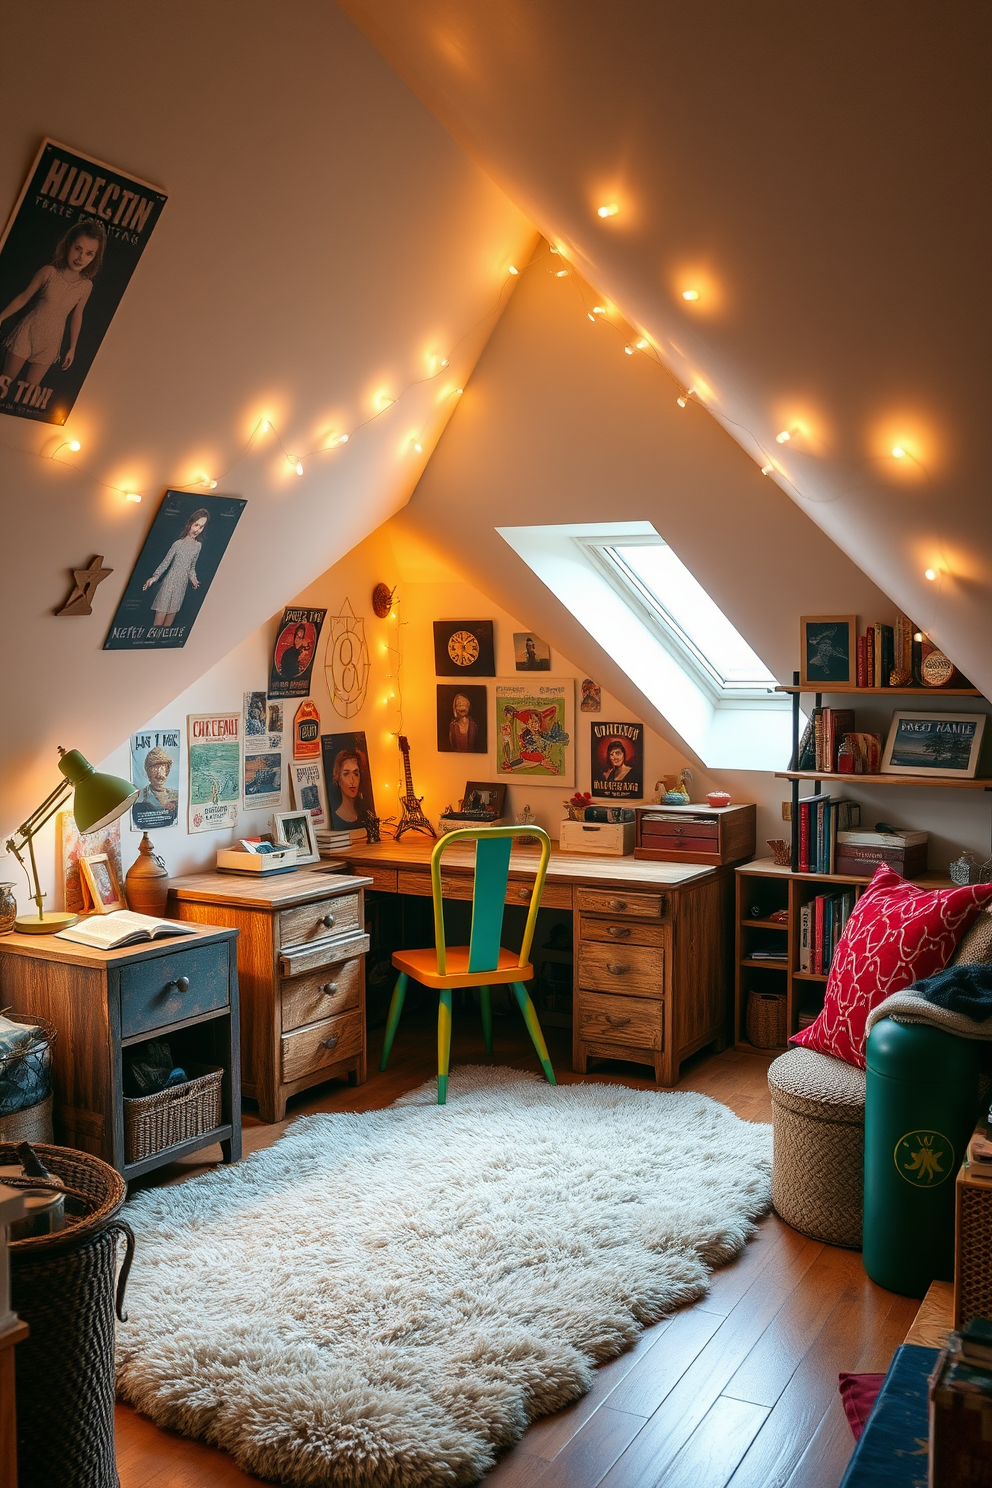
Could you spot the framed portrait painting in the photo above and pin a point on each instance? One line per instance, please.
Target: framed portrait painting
(462, 721)
(347, 779)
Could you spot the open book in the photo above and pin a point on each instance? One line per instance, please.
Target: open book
(123, 927)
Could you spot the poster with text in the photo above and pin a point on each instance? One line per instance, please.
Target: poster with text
(69, 249)
(294, 652)
(347, 779)
(307, 779)
(261, 775)
(175, 568)
(214, 749)
(617, 761)
(155, 770)
(535, 726)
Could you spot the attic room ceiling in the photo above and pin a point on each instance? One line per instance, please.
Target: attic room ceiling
(814, 178)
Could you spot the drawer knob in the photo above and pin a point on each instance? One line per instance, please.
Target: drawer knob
(330, 988)
(616, 1022)
(616, 905)
(329, 1043)
(619, 932)
(328, 920)
(617, 970)
(181, 984)
(523, 893)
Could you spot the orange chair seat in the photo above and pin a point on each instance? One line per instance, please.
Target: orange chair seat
(422, 966)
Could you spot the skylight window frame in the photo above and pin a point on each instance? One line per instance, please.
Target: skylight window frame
(649, 609)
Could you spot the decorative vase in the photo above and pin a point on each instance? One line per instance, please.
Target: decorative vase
(146, 883)
(8, 908)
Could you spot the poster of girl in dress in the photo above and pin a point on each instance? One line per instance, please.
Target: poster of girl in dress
(175, 568)
(70, 247)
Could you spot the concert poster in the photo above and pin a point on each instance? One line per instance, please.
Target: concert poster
(294, 652)
(617, 761)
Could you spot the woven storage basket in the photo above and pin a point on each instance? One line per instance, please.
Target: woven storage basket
(766, 1025)
(62, 1285)
(818, 1127)
(26, 1073)
(154, 1122)
(33, 1124)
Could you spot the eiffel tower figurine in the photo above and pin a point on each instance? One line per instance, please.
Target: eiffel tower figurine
(413, 818)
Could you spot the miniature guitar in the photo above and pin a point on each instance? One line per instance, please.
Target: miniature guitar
(413, 818)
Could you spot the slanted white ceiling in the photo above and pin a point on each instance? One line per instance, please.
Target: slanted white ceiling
(818, 172)
(324, 236)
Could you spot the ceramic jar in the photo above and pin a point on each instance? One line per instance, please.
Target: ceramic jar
(8, 908)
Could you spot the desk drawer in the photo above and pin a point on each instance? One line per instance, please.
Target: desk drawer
(619, 1020)
(622, 968)
(320, 1044)
(307, 999)
(620, 902)
(383, 879)
(555, 896)
(453, 886)
(623, 932)
(317, 921)
(168, 989)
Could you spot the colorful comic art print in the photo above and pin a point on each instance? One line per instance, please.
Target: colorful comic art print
(72, 846)
(155, 755)
(294, 652)
(535, 728)
(617, 761)
(214, 748)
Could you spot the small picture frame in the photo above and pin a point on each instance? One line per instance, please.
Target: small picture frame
(828, 651)
(939, 744)
(484, 795)
(101, 880)
(296, 829)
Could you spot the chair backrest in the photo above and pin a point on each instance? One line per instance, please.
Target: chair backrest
(492, 868)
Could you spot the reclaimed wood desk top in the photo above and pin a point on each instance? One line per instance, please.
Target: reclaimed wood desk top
(72, 953)
(279, 891)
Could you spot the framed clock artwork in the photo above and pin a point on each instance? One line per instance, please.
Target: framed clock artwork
(464, 648)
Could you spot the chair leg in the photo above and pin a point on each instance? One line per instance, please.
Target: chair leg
(443, 1044)
(486, 1007)
(534, 1029)
(393, 1021)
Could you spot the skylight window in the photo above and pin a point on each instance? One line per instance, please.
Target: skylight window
(676, 605)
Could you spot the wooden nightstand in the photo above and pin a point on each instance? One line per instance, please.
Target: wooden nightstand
(183, 989)
(301, 965)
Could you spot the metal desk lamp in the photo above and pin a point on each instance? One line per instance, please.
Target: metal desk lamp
(98, 800)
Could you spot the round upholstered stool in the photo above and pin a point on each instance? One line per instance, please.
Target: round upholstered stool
(818, 1125)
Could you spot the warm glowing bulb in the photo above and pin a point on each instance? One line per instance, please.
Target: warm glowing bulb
(768, 468)
(513, 269)
(930, 573)
(459, 391)
(561, 274)
(264, 426)
(419, 448)
(898, 453)
(783, 438)
(690, 294)
(599, 309)
(444, 361)
(610, 210)
(642, 344)
(298, 467)
(918, 636)
(682, 399)
(131, 496)
(629, 350)
(591, 317)
(75, 446)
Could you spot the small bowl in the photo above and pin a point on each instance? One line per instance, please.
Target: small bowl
(718, 798)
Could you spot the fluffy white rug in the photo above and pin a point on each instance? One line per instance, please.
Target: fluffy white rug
(390, 1298)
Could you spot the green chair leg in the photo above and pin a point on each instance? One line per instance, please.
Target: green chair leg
(443, 1044)
(534, 1029)
(486, 1006)
(393, 1021)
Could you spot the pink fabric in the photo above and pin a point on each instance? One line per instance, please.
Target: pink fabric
(896, 935)
(858, 1393)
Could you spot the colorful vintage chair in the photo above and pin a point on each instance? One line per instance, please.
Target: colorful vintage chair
(483, 963)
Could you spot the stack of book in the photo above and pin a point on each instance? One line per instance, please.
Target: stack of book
(329, 843)
(884, 649)
(820, 819)
(821, 925)
(832, 746)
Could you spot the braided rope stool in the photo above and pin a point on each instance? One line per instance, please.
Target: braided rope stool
(818, 1126)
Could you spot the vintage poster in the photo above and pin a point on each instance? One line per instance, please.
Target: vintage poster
(155, 768)
(308, 790)
(462, 723)
(591, 696)
(175, 568)
(347, 779)
(535, 724)
(71, 847)
(262, 725)
(617, 761)
(530, 653)
(306, 731)
(70, 247)
(293, 653)
(214, 748)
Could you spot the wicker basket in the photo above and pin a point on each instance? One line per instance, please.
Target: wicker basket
(62, 1285)
(30, 1065)
(154, 1122)
(32, 1124)
(766, 1025)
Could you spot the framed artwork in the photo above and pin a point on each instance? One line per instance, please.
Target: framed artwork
(306, 731)
(617, 761)
(176, 566)
(464, 648)
(484, 795)
(347, 779)
(71, 847)
(308, 790)
(933, 744)
(462, 718)
(105, 891)
(530, 653)
(828, 650)
(294, 652)
(535, 729)
(155, 769)
(67, 255)
(297, 828)
(591, 695)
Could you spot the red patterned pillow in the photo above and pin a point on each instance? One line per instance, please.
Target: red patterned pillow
(897, 934)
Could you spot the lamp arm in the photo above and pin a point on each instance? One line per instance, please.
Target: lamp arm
(24, 836)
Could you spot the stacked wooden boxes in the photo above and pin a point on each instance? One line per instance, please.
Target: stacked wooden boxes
(695, 834)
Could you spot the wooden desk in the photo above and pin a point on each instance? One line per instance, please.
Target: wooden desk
(650, 942)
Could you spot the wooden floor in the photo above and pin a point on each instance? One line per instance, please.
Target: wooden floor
(737, 1391)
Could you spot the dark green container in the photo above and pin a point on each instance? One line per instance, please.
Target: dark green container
(921, 1104)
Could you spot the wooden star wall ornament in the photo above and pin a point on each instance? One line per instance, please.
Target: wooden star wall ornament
(86, 581)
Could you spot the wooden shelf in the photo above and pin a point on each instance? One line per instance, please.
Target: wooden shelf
(838, 688)
(761, 965)
(767, 924)
(768, 868)
(809, 976)
(983, 784)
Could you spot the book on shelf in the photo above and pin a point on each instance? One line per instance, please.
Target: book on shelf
(121, 928)
(822, 923)
(766, 953)
(836, 723)
(820, 819)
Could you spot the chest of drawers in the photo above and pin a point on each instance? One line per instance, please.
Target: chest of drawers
(301, 968)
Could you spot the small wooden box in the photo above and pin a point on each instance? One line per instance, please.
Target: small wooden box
(613, 839)
(695, 834)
